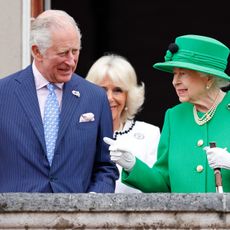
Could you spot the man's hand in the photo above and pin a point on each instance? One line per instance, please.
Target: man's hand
(121, 153)
(218, 157)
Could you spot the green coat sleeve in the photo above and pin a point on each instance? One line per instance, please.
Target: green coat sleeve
(155, 179)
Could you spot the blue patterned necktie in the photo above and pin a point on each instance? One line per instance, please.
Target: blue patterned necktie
(51, 121)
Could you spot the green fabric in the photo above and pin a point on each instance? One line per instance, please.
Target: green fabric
(179, 155)
(198, 53)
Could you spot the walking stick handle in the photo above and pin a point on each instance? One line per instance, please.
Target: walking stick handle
(217, 173)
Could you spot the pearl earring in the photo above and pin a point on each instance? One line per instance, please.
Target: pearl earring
(126, 108)
(207, 87)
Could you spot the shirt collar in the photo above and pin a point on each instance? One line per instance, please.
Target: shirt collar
(41, 81)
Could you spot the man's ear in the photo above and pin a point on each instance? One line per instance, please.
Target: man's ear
(36, 53)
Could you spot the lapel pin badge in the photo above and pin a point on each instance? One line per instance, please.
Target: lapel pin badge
(76, 93)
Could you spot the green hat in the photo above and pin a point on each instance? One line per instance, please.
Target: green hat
(200, 53)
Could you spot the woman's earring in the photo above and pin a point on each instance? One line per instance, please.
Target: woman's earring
(207, 87)
(126, 108)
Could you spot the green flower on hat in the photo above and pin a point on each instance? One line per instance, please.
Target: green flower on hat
(173, 48)
(168, 56)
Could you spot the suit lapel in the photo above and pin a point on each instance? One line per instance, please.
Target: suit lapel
(27, 96)
(69, 104)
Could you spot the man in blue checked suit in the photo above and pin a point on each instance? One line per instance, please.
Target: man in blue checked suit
(79, 160)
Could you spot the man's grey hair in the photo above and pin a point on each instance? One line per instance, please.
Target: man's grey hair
(45, 23)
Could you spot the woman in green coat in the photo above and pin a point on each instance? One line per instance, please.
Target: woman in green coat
(198, 65)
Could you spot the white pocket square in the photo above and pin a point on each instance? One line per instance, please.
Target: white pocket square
(86, 117)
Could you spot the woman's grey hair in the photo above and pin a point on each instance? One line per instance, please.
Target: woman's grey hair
(42, 26)
(218, 82)
(122, 74)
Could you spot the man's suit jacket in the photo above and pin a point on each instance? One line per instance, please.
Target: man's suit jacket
(81, 160)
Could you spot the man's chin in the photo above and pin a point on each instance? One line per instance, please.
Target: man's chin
(64, 78)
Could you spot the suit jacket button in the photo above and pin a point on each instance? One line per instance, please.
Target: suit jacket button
(199, 168)
(228, 106)
(53, 178)
(200, 142)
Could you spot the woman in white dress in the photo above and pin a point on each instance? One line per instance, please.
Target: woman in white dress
(126, 97)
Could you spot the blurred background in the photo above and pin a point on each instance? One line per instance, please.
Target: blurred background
(141, 31)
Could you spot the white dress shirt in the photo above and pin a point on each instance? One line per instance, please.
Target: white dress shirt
(42, 91)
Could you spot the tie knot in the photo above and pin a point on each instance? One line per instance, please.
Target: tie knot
(51, 87)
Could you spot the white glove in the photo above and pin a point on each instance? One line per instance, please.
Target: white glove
(218, 157)
(121, 153)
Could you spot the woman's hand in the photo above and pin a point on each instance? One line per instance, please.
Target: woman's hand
(218, 157)
(121, 153)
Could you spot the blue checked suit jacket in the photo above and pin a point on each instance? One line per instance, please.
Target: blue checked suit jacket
(81, 160)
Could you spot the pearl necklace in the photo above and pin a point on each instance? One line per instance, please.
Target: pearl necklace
(210, 113)
(124, 132)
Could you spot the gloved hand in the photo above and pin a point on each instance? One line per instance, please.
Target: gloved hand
(218, 157)
(121, 153)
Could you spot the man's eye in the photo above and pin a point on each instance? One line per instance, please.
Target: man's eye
(67, 52)
(74, 52)
(62, 54)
